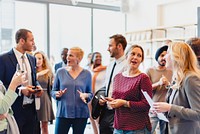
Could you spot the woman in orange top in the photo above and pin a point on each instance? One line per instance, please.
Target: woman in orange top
(98, 72)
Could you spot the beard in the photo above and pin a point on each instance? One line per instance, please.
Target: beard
(162, 63)
(112, 55)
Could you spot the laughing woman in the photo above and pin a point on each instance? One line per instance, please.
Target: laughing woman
(72, 90)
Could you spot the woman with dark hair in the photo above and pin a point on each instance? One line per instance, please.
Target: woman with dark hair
(98, 72)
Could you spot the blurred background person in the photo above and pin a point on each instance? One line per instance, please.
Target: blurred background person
(131, 107)
(195, 45)
(88, 65)
(72, 89)
(8, 124)
(98, 72)
(183, 107)
(45, 78)
(160, 77)
(63, 63)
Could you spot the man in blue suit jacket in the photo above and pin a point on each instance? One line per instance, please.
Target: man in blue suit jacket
(25, 115)
(64, 59)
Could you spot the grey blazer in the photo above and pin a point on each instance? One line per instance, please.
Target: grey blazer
(184, 116)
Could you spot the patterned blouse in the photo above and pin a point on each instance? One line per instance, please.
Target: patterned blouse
(136, 116)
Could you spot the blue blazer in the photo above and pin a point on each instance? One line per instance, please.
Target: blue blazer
(57, 66)
(8, 62)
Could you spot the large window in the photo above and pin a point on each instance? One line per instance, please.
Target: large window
(55, 26)
(32, 16)
(106, 24)
(69, 27)
(6, 24)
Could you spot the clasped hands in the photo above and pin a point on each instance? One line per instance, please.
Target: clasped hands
(114, 103)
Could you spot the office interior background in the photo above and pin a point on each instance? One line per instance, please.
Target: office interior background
(89, 24)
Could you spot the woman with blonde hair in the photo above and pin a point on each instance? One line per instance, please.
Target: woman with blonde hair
(72, 91)
(183, 107)
(45, 78)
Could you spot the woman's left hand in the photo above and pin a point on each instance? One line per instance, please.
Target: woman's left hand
(161, 107)
(83, 96)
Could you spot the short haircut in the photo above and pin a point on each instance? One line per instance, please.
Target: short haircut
(21, 33)
(79, 52)
(120, 39)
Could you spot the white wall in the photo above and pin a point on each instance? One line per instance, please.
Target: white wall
(143, 15)
(150, 14)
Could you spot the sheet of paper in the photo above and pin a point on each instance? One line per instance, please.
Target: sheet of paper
(161, 116)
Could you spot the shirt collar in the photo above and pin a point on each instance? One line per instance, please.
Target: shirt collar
(19, 54)
(118, 61)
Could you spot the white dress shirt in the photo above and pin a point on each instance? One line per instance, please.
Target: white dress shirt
(28, 67)
(121, 65)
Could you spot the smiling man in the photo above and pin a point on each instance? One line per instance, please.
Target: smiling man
(160, 77)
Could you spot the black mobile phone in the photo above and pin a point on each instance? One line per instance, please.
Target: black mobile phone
(37, 90)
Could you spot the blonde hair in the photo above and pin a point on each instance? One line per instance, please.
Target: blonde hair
(45, 64)
(184, 62)
(78, 52)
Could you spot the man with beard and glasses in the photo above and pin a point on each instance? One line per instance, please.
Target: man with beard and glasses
(160, 77)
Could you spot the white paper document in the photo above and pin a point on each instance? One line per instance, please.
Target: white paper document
(161, 116)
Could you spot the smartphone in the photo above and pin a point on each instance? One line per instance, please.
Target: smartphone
(102, 97)
(37, 90)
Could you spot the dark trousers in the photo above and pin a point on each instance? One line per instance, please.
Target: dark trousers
(63, 125)
(37, 128)
(27, 120)
(106, 122)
